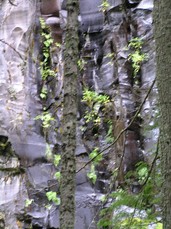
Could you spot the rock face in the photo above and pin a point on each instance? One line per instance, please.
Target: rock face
(26, 168)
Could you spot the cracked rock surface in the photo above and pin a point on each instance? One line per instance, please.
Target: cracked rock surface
(25, 170)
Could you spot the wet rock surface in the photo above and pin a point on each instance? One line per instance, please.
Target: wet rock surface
(25, 170)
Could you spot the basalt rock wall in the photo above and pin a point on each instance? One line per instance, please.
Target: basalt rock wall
(26, 171)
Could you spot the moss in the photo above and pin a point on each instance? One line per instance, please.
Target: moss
(13, 171)
(2, 220)
(5, 146)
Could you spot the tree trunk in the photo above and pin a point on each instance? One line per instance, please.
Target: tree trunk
(162, 23)
(68, 162)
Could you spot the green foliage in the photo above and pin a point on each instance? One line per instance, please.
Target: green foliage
(42, 23)
(136, 56)
(135, 223)
(91, 97)
(96, 159)
(104, 6)
(94, 155)
(129, 210)
(57, 159)
(48, 152)
(52, 196)
(46, 119)
(46, 71)
(94, 102)
(58, 45)
(47, 41)
(81, 64)
(141, 171)
(96, 105)
(159, 226)
(43, 94)
(136, 43)
(58, 176)
(28, 202)
(92, 174)
(109, 137)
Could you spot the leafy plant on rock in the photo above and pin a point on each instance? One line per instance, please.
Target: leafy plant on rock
(45, 65)
(104, 6)
(46, 119)
(133, 210)
(97, 158)
(94, 102)
(136, 56)
(52, 196)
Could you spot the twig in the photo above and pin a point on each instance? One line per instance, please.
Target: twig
(1, 40)
(152, 164)
(146, 180)
(11, 3)
(122, 131)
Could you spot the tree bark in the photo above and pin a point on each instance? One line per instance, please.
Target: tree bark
(68, 162)
(162, 32)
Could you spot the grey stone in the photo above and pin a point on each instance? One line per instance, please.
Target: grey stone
(40, 175)
(146, 5)
(20, 86)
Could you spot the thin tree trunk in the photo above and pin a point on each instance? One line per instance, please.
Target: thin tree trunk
(162, 24)
(68, 162)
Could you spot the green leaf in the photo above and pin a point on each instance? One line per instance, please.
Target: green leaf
(159, 226)
(28, 202)
(92, 174)
(46, 119)
(57, 159)
(42, 23)
(48, 152)
(58, 44)
(52, 196)
(58, 176)
(43, 93)
(94, 155)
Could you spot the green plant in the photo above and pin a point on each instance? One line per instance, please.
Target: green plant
(141, 171)
(109, 137)
(43, 94)
(58, 176)
(135, 43)
(94, 102)
(95, 156)
(28, 202)
(46, 119)
(49, 154)
(96, 160)
(52, 196)
(136, 56)
(81, 64)
(58, 45)
(130, 210)
(92, 174)
(57, 159)
(104, 6)
(47, 41)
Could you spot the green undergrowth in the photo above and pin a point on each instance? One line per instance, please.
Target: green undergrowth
(127, 209)
(136, 56)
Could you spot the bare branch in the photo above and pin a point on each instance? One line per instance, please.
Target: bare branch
(11, 3)
(1, 40)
